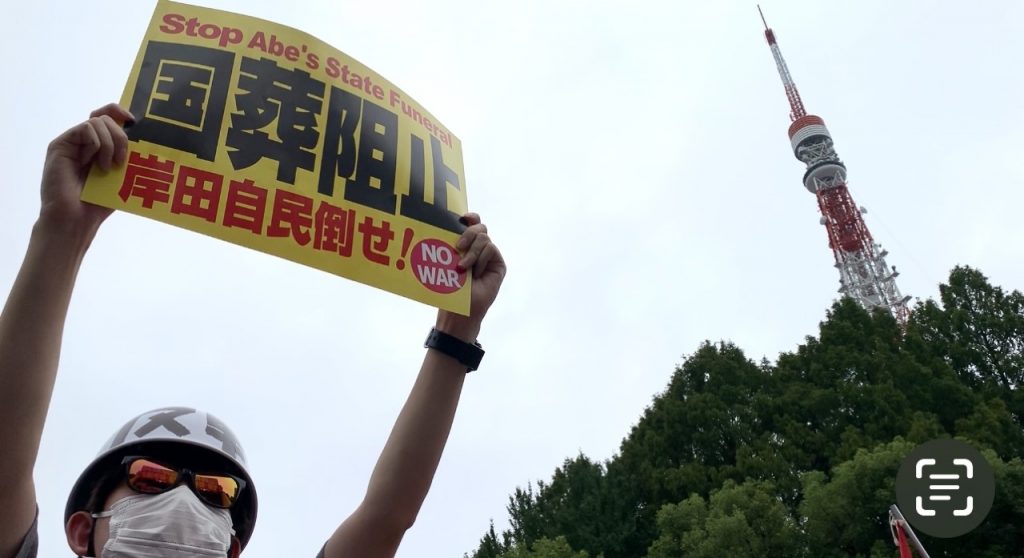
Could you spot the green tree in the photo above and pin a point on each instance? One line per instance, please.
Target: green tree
(546, 548)
(686, 442)
(839, 392)
(808, 445)
(846, 514)
(991, 425)
(746, 520)
(571, 504)
(979, 330)
(1001, 534)
(490, 546)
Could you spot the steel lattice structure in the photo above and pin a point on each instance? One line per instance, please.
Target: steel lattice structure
(863, 273)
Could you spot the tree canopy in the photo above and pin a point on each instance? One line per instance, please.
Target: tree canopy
(799, 457)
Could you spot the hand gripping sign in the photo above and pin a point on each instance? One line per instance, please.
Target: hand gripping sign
(264, 136)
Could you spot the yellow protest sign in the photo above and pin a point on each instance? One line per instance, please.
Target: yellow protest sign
(267, 137)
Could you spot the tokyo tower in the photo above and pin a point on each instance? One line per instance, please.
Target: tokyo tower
(863, 273)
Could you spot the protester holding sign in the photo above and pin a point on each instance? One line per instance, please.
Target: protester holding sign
(173, 481)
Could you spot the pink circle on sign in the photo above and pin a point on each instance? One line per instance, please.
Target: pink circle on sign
(433, 263)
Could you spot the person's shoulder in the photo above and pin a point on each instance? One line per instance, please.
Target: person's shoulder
(30, 544)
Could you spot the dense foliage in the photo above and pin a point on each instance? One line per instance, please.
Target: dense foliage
(798, 458)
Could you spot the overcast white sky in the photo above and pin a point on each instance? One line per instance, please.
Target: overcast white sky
(631, 161)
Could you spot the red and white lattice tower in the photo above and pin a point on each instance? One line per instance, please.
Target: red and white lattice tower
(863, 273)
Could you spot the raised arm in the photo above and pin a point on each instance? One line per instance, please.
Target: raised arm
(32, 321)
(406, 467)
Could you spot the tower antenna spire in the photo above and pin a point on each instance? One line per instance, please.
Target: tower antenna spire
(796, 105)
(863, 273)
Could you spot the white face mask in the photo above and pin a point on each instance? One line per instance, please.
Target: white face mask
(175, 524)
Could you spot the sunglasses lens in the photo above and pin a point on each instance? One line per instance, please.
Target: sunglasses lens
(217, 490)
(148, 477)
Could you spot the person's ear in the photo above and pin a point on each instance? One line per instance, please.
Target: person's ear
(235, 549)
(78, 531)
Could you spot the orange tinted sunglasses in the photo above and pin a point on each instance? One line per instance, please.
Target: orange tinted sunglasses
(147, 476)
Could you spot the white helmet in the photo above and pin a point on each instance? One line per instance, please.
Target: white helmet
(173, 432)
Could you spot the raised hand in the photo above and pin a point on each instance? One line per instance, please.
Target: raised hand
(101, 140)
(484, 261)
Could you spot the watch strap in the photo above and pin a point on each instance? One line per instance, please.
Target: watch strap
(469, 354)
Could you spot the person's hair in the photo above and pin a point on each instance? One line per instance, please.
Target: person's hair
(98, 494)
(102, 488)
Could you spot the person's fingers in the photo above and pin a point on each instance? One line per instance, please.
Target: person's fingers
(115, 111)
(468, 235)
(87, 141)
(483, 261)
(120, 139)
(497, 264)
(473, 245)
(469, 258)
(105, 157)
(105, 109)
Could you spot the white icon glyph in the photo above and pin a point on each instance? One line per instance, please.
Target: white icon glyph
(940, 488)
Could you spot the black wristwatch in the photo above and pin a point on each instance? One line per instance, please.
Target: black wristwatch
(466, 353)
